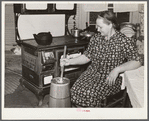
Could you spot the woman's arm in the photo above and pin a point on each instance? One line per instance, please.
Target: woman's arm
(131, 54)
(82, 59)
(130, 65)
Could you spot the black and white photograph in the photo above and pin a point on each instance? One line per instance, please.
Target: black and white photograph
(74, 60)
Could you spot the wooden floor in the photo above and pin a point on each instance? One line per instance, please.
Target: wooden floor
(12, 73)
(11, 81)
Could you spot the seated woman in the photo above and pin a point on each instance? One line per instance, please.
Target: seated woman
(107, 51)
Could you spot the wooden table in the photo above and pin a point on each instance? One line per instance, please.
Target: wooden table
(134, 81)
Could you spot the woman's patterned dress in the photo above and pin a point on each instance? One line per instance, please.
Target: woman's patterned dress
(90, 88)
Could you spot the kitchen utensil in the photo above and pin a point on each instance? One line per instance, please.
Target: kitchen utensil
(75, 32)
(62, 68)
(43, 38)
(87, 34)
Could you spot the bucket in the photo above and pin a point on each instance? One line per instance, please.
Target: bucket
(59, 93)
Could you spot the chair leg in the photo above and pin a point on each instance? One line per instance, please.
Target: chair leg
(127, 102)
(124, 100)
(115, 101)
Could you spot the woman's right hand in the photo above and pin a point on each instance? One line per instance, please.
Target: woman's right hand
(64, 61)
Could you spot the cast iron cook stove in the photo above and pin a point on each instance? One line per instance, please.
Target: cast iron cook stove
(41, 63)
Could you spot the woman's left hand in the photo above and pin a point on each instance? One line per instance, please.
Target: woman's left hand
(112, 77)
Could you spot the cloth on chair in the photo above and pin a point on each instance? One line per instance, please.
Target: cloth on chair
(134, 80)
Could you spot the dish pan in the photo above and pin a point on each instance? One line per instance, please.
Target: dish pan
(87, 34)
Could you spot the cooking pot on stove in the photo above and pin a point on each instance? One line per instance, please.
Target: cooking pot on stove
(75, 32)
(43, 38)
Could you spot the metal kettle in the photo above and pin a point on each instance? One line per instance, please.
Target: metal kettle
(43, 38)
(75, 32)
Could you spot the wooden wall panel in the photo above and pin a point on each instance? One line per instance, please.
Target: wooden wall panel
(9, 27)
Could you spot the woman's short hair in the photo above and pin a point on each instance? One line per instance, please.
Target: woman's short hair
(109, 17)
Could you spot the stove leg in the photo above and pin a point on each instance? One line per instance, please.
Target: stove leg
(22, 85)
(39, 92)
(40, 100)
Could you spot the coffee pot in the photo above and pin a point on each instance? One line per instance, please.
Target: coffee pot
(75, 32)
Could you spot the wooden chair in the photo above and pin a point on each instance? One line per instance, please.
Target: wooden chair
(117, 100)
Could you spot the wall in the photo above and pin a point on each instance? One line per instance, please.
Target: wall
(81, 19)
(9, 27)
(82, 15)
